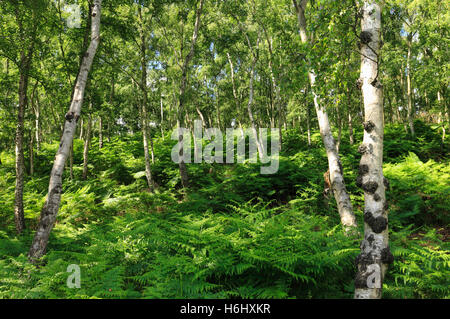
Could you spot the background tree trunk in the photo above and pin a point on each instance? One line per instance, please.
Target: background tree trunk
(350, 120)
(339, 123)
(143, 87)
(87, 145)
(184, 69)
(250, 103)
(31, 151)
(409, 92)
(344, 204)
(71, 162)
(100, 132)
(276, 90)
(19, 218)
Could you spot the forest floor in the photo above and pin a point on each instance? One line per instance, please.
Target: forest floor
(235, 233)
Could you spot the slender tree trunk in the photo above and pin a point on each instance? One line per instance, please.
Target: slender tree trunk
(201, 117)
(30, 149)
(446, 108)
(184, 69)
(81, 129)
(361, 108)
(235, 95)
(219, 122)
(308, 123)
(241, 129)
(152, 151)
(441, 117)
(143, 87)
(344, 204)
(251, 88)
(391, 114)
(350, 120)
(148, 171)
(275, 89)
(35, 107)
(51, 206)
(71, 162)
(26, 55)
(375, 253)
(350, 128)
(87, 145)
(339, 123)
(162, 116)
(403, 99)
(308, 116)
(100, 132)
(20, 167)
(249, 107)
(37, 130)
(409, 91)
(111, 103)
(109, 131)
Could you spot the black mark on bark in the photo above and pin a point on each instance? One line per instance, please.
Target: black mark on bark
(377, 224)
(369, 126)
(370, 187)
(365, 37)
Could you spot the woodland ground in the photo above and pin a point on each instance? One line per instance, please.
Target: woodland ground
(235, 233)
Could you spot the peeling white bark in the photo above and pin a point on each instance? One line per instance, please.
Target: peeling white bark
(344, 204)
(51, 206)
(375, 254)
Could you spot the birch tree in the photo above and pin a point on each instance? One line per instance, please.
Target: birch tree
(144, 104)
(182, 90)
(26, 55)
(21, 24)
(344, 204)
(375, 254)
(254, 59)
(87, 145)
(51, 206)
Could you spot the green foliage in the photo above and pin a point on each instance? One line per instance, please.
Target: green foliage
(420, 192)
(428, 143)
(235, 234)
(421, 268)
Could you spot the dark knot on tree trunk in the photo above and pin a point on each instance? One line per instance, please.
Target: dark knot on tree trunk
(377, 224)
(366, 37)
(369, 126)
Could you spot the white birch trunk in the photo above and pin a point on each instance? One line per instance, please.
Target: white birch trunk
(441, 118)
(249, 108)
(143, 87)
(87, 145)
(20, 167)
(100, 132)
(276, 90)
(51, 206)
(184, 69)
(375, 253)
(408, 89)
(344, 204)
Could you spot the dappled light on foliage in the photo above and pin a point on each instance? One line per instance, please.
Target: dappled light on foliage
(236, 234)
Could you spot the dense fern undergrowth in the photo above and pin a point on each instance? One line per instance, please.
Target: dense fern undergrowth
(235, 233)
